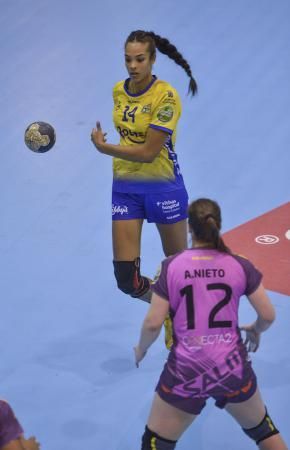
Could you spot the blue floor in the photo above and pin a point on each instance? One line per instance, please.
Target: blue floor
(66, 331)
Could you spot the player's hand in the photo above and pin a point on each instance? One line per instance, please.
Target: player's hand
(252, 339)
(98, 137)
(139, 355)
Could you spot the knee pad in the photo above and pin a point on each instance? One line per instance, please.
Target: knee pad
(152, 441)
(129, 279)
(264, 430)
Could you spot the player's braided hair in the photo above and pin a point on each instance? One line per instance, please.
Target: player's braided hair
(165, 47)
(204, 217)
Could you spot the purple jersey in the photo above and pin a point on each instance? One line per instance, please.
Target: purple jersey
(10, 429)
(203, 287)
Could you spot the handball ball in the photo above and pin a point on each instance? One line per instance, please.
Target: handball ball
(39, 137)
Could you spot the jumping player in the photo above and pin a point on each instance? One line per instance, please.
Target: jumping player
(201, 288)
(147, 182)
(11, 432)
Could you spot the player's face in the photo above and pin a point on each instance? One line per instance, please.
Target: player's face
(138, 62)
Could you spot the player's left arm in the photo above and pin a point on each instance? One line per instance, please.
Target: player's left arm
(152, 325)
(145, 152)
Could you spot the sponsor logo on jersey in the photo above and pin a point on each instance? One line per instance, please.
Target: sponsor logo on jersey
(217, 375)
(129, 100)
(172, 217)
(170, 94)
(267, 239)
(118, 209)
(124, 132)
(165, 113)
(172, 101)
(146, 109)
(169, 205)
(197, 342)
(203, 258)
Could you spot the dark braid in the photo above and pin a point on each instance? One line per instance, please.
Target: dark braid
(165, 47)
(204, 217)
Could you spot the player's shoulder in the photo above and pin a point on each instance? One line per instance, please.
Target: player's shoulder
(118, 87)
(243, 261)
(252, 274)
(239, 257)
(164, 88)
(173, 259)
(166, 95)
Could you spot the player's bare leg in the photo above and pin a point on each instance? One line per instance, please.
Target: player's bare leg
(250, 415)
(173, 237)
(126, 250)
(126, 236)
(168, 421)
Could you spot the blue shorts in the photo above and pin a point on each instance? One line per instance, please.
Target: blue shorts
(164, 207)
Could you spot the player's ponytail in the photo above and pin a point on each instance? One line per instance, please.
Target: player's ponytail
(204, 218)
(165, 47)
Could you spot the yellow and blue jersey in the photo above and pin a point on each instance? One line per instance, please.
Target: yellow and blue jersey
(158, 107)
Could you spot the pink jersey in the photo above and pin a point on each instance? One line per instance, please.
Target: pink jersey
(203, 287)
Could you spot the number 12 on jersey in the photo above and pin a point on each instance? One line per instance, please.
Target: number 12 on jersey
(187, 291)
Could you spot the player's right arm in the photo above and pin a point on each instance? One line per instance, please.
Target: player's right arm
(265, 317)
(146, 152)
(152, 325)
(263, 307)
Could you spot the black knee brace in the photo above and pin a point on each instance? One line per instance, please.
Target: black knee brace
(152, 441)
(264, 430)
(129, 280)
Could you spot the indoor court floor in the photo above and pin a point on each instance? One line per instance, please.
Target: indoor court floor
(67, 333)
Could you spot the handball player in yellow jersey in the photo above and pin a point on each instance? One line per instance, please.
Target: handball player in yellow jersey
(147, 182)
